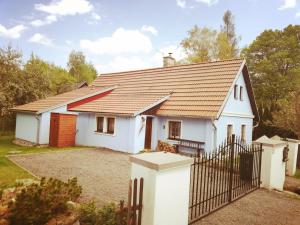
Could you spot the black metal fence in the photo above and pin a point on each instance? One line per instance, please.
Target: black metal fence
(220, 177)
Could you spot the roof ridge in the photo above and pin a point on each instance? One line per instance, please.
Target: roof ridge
(170, 67)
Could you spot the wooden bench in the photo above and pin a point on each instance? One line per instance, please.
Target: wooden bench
(196, 146)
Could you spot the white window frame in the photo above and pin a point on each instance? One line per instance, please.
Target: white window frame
(105, 121)
(167, 128)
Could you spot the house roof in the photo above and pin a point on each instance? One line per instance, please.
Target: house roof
(120, 103)
(198, 90)
(61, 99)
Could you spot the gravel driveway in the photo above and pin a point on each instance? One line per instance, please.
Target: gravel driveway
(261, 207)
(104, 177)
(103, 174)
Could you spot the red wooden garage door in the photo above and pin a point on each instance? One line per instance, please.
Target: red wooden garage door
(62, 130)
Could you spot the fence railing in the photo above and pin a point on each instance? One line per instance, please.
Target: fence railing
(222, 176)
(135, 202)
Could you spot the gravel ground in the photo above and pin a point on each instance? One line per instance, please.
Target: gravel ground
(261, 207)
(103, 174)
(291, 183)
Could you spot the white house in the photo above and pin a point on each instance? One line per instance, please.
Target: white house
(130, 111)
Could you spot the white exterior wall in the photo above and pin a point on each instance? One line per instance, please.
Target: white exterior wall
(191, 129)
(129, 133)
(237, 113)
(26, 126)
(45, 123)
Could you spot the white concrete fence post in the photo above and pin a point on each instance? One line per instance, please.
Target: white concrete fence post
(166, 187)
(291, 164)
(272, 165)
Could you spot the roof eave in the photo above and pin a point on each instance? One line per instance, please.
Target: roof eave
(77, 99)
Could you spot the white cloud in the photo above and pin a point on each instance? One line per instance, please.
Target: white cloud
(96, 16)
(288, 4)
(40, 39)
(181, 3)
(121, 41)
(149, 29)
(208, 2)
(14, 32)
(48, 20)
(121, 63)
(65, 7)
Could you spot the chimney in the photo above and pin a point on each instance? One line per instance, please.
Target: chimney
(169, 60)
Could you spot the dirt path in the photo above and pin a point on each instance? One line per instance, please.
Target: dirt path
(261, 207)
(103, 174)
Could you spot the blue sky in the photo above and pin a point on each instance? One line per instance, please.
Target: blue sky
(129, 34)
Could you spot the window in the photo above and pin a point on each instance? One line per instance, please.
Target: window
(236, 91)
(100, 121)
(241, 93)
(174, 129)
(243, 132)
(110, 125)
(229, 131)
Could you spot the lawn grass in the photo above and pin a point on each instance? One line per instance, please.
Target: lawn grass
(297, 174)
(9, 171)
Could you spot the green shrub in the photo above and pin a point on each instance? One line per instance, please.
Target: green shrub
(37, 203)
(88, 214)
(109, 214)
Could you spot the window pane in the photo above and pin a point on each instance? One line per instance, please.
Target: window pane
(100, 124)
(110, 125)
(235, 91)
(243, 132)
(229, 131)
(241, 93)
(174, 129)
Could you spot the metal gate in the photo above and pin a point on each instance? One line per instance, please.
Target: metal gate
(225, 175)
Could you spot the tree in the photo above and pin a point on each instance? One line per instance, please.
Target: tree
(205, 44)
(80, 69)
(61, 80)
(11, 82)
(228, 28)
(200, 44)
(273, 60)
(36, 74)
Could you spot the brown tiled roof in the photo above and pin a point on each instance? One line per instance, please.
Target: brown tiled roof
(59, 100)
(120, 103)
(198, 90)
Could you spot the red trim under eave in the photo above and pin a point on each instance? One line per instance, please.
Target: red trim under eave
(86, 100)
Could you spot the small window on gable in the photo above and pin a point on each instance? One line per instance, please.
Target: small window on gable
(229, 131)
(110, 125)
(174, 129)
(236, 91)
(100, 121)
(243, 132)
(241, 93)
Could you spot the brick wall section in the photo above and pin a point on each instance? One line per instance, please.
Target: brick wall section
(62, 130)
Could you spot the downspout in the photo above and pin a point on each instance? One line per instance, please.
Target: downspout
(215, 133)
(38, 129)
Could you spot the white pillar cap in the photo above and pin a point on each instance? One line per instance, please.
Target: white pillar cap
(161, 160)
(265, 141)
